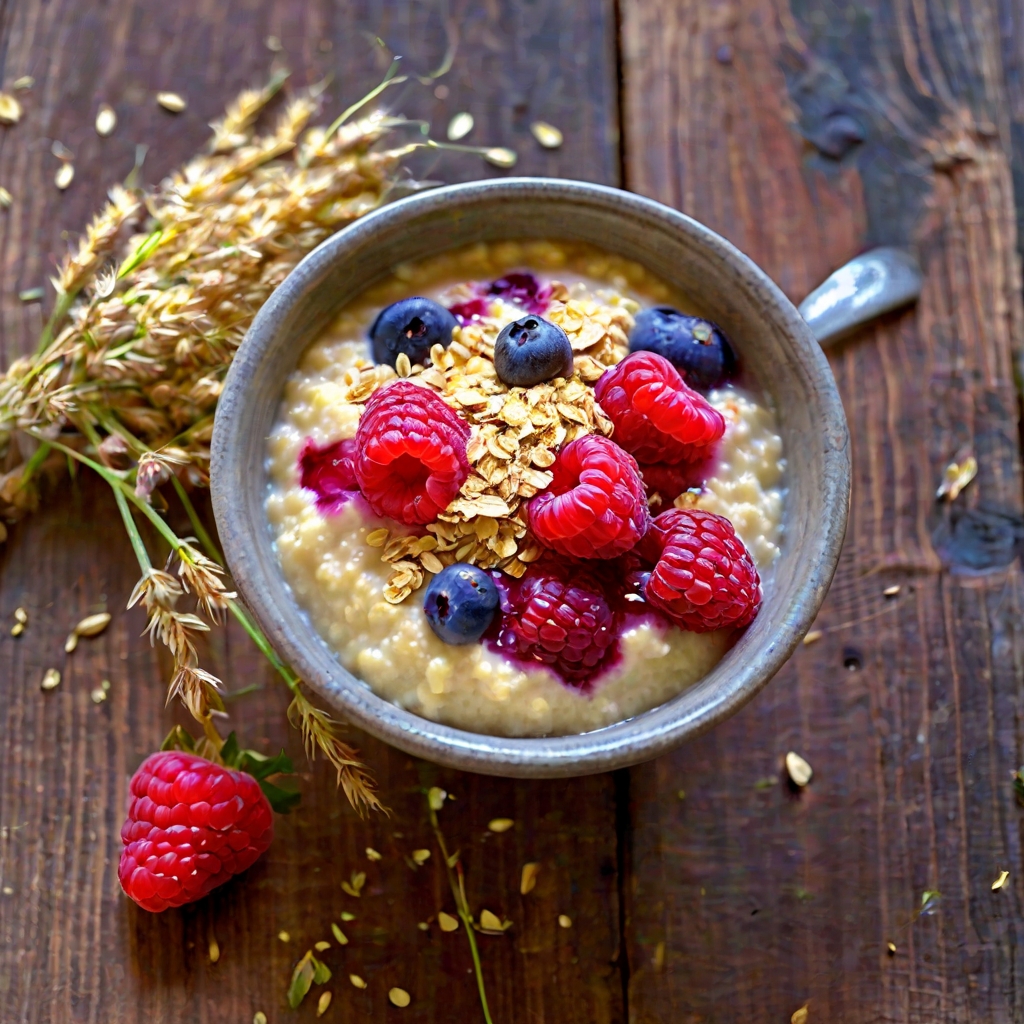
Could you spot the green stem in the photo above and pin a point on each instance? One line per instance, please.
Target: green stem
(34, 463)
(60, 310)
(389, 79)
(193, 517)
(133, 531)
(462, 905)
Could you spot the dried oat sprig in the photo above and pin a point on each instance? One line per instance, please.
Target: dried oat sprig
(234, 129)
(319, 730)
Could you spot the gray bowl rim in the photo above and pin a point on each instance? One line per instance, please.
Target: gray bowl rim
(620, 745)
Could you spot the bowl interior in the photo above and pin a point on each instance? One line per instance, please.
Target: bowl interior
(776, 349)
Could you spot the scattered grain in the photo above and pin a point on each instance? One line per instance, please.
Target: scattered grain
(214, 949)
(546, 134)
(171, 101)
(93, 625)
(372, 854)
(51, 679)
(421, 856)
(98, 695)
(500, 824)
(17, 629)
(322, 1003)
(321, 945)
(106, 120)
(273, 44)
(25, 82)
(499, 156)
(528, 879)
(20, 615)
(340, 937)
(64, 176)
(958, 474)
(891, 947)
(399, 997)
(357, 981)
(1000, 881)
(799, 1016)
(10, 109)
(71, 643)
(354, 886)
(5, 198)
(284, 936)
(813, 637)
(798, 769)
(564, 921)
(346, 916)
(891, 591)
(259, 1017)
(447, 923)
(31, 294)
(460, 126)
(490, 922)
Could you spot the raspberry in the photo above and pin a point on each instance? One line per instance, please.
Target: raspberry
(329, 473)
(191, 825)
(704, 577)
(595, 506)
(561, 618)
(656, 416)
(411, 453)
(668, 482)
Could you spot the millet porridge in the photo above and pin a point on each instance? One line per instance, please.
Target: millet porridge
(361, 577)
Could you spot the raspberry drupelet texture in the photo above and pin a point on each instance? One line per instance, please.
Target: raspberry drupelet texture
(595, 506)
(191, 825)
(656, 416)
(703, 576)
(560, 617)
(411, 453)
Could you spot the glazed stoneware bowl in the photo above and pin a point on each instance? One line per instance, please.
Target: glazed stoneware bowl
(777, 350)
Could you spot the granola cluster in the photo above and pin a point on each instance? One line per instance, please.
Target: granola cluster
(516, 433)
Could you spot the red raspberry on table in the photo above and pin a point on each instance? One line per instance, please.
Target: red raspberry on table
(595, 506)
(703, 576)
(191, 825)
(656, 416)
(559, 616)
(411, 453)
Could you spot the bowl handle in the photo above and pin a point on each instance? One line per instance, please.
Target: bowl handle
(869, 285)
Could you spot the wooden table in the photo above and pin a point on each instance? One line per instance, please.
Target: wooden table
(698, 891)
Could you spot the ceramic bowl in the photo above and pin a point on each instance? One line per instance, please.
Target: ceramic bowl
(775, 345)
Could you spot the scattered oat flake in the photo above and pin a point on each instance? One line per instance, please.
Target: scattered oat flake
(25, 82)
(64, 176)
(51, 679)
(447, 923)
(5, 198)
(813, 637)
(500, 156)
(31, 294)
(322, 1003)
(20, 615)
(357, 981)
(421, 856)
(957, 476)
(60, 151)
(93, 625)
(490, 922)
(377, 538)
(892, 591)
(17, 629)
(98, 696)
(528, 879)
(346, 916)
(273, 44)
(284, 936)
(10, 109)
(372, 854)
(436, 798)
(799, 1016)
(355, 884)
(891, 947)
(321, 945)
(171, 101)
(340, 937)
(460, 126)
(1000, 881)
(500, 824)
(564, 921)
(798, 769)
(71, 643)
(106, 120)
(546, 134)
(399, 997)
(214, 950)
(259, 1017)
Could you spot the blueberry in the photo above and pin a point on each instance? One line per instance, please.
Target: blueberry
(531, 350)
(412, 326)
(695, 347)
(460, 602)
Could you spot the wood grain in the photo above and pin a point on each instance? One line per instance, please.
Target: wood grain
(746, 899)
(72, 948)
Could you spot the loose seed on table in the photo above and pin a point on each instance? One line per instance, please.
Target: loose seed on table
(93, 625)
(259, 1017)
(564, 921)
(372, 854)
(10, 109)
(25, 82)
(321, 946)
(798, 769)
(528, 879)
(891, 591)
(1000, 881)
(546, 134)
(284, 936)
(399, 997)
(339, 935)
(447, 923)
(214, 950)
(171, 101)
(106, 120)
(71, 643)
(813, 637)
(357, 981)
(20, 615)
(421, 856)
(5, 198)
(799, 1016)
(64, 176)
(500, 824)
(322, 1004)
(500, 156)
(460, 126)
(51, 679)
(17, 629)
(891, 947)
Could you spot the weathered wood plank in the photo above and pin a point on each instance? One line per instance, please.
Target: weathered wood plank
(71, 947)
(746, 902)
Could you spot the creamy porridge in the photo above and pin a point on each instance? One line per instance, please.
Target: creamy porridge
(496, 456)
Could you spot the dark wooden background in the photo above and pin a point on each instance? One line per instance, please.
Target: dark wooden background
(802, 131)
